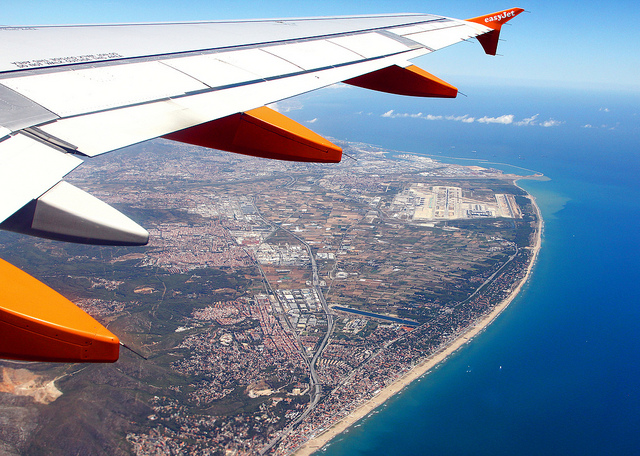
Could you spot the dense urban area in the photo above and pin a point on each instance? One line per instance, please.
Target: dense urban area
(273, 299)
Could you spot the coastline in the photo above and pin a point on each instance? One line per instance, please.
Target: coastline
(316, 443)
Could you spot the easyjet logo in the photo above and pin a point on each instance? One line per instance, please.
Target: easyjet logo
(500, 17)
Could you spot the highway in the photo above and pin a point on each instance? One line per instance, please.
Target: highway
(315, 388)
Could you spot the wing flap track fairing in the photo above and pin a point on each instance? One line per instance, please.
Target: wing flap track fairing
(261, 132)
(411, 80)
(66, 213)
(39, 324)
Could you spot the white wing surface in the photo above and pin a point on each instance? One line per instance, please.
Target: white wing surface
(71, 92)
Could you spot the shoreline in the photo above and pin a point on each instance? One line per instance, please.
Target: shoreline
(316, 443)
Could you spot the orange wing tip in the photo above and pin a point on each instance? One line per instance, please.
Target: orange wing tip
(261, 132)
(39, 324)
(411, 81)
(496, 20)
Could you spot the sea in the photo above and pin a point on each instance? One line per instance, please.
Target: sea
(558, 373)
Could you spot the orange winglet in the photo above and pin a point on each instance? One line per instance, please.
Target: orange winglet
(412, 81)
(489, 40)
(39, 324)
(261, 132)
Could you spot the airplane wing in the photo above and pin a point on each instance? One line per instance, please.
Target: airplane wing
(68, 93)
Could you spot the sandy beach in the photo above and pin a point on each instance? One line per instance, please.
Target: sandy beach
(366, 408)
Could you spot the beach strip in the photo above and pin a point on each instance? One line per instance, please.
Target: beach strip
(317, 442)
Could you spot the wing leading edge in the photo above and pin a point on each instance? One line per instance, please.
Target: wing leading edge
(71, 92)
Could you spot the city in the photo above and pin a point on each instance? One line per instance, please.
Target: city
(276, 298)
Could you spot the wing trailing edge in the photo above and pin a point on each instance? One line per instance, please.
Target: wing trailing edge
(494, 21)
(263, 132)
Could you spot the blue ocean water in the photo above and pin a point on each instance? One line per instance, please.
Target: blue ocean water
(559, 371)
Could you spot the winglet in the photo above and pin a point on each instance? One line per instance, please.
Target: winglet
(489, 40)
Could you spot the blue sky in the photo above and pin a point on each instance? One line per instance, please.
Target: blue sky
(586, 45)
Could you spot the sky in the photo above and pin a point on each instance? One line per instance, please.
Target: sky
(563, 44)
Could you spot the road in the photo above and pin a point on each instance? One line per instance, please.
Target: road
(315, 388)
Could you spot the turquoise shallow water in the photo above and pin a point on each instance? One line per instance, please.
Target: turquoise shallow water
(559, 371)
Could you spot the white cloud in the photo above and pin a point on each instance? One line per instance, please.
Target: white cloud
(604, 109)
(587, 126)
(314, 120)
(504, 120)
(551, 123)
(394, 115)
(528, 121)
(466, 118)
(286, 106)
